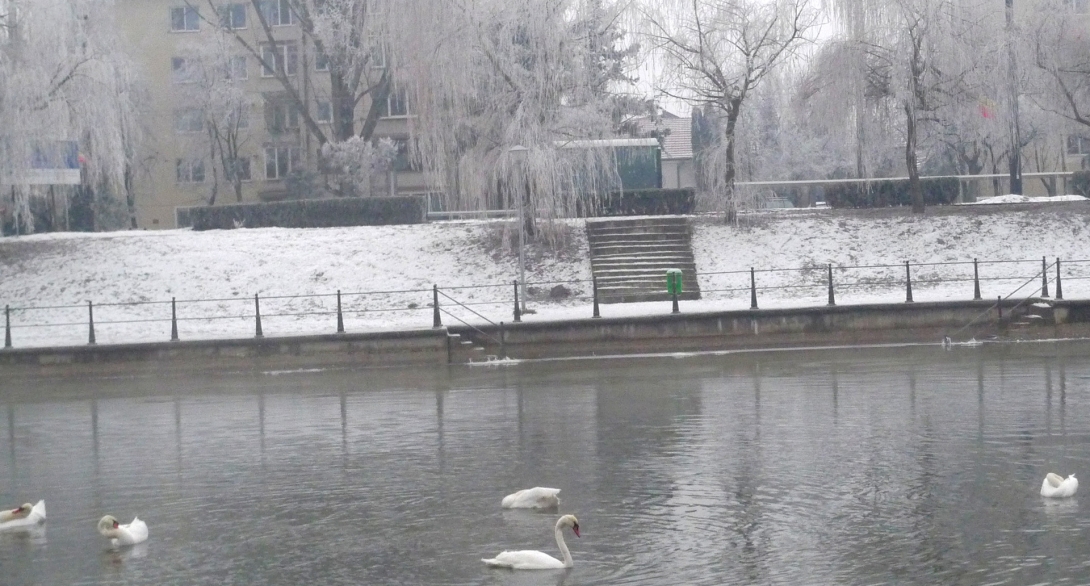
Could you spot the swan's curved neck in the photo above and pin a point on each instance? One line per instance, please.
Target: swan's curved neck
(563, 546)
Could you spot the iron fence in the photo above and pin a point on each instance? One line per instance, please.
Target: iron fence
(338, 312)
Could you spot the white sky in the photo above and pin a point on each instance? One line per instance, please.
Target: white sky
(232, 265)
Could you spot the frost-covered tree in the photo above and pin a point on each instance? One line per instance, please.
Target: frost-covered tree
(501, 90)
(717, 52)
(217, 110)
(917, 58)
(64, 77)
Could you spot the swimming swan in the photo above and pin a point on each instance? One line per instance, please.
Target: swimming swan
(537, 497)
(25, 516)
(536, 560)
(131, 534)
(1056, 486)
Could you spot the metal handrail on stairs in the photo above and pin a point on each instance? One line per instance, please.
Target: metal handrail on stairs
(1042, 275)
(500, 341)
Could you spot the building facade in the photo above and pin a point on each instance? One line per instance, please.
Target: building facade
(222, 127)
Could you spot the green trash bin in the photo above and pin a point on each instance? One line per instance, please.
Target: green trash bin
(673, 286)
(673, 281)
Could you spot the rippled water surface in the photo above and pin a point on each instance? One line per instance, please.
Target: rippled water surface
(896, 466)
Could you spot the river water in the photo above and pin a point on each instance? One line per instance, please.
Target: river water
(909, 465)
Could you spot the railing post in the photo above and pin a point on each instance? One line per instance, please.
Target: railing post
(7, 326)
(435, 321)
(1059, 286)
(503, 341)
(908, 283)
(340, 317)
(676, 309)
(594, 286)
(518, 314)
(999, 305)
(257, 314)
(90, 323)
(832, 300)
(752, 289)
(173, 321)
(976, 281)
(1044, 277)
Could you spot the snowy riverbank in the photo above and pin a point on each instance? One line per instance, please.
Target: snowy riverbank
(297, 271)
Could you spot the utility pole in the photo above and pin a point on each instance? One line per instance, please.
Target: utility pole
(1015, 158)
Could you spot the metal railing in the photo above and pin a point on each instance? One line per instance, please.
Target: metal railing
(488, 305)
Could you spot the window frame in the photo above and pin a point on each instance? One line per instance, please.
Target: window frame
(185, 12)
(283, 7)
(318, 106)
(188, 121)
(396, 96)
(283, 59)
(290, 163)
(232, 70)
(190, 167)
(227, 16)
(1078, 145)
(179, 71)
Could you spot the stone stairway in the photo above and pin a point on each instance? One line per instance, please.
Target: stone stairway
(462, 350)
(1037, 314)
(629, 257)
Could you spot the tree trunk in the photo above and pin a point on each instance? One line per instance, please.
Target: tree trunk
(734, 108)
(910, 160)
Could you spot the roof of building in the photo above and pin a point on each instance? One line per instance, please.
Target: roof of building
(678, 134)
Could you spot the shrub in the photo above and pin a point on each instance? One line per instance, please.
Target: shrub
(1080, 183)
(306, 213)
(889, 193)
(648, 202)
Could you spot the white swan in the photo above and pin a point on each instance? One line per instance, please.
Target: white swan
(131, 534)
(536, 560)
(537, 497)
(1056, 486)
(27, 515)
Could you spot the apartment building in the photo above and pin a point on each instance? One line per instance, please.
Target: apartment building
(265, 149)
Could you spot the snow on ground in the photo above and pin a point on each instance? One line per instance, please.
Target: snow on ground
(386, 273)
(1011, 198)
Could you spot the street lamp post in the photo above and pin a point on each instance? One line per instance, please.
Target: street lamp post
(519, 152)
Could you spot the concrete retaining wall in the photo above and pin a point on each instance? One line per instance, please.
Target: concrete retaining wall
(685, 332)
(412, 347)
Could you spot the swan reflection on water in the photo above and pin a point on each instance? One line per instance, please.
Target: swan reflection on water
(32, 535)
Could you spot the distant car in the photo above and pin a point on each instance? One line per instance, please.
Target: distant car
(820, 204)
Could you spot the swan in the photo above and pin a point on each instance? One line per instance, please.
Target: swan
(537, 497)
(536, 560)
(1056, 486)
(131, 534)
(27, 515)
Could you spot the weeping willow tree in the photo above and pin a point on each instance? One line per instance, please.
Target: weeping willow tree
(63, 78)
(504, 94)
(715, 53)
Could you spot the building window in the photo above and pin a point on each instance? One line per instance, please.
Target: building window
(280, 161)
(397, 104)
(283, 56)
(281, 115)
(277, 12)
(1078, 145)
(239, 117)
(236, 67)
(241, 168)
(321, 61)
(184, 19)
(233, 16)
(183, 70)
(189, 120)
(189, 170)
(324, 111)
(378, 51)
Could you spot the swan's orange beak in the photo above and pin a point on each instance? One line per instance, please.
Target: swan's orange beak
(575, 529)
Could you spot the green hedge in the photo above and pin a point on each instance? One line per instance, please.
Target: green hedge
(306, 213)
(884, 194)
(648, 202)
(1080, 183)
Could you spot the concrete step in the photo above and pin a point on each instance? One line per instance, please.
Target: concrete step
(632, 238)
(630, 257)
(462, 350)
(643, 223)
(638, 248)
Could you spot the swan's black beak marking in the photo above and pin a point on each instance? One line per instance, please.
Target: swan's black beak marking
(575, 529)
(116, 524)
